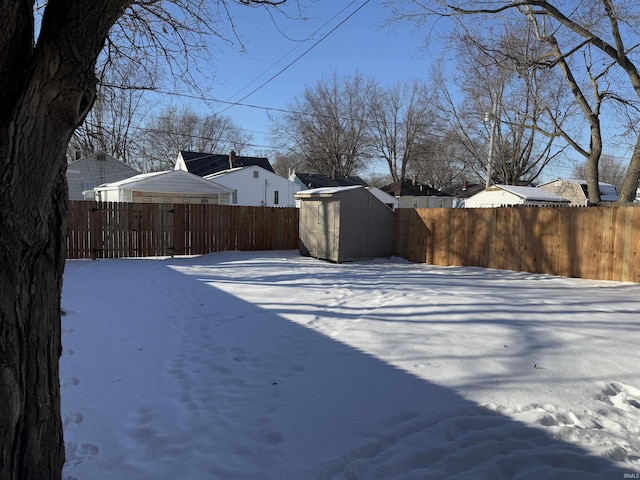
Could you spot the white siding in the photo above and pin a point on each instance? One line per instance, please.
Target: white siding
(409, 201)
(493, 198)
(256, 186)
(174, 186)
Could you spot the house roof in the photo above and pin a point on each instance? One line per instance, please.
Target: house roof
(608, 192)
(231, 171)
(531, 193)
(202, 164)
(167, 181)
(318, 180)
(463, 190)
(403, 188)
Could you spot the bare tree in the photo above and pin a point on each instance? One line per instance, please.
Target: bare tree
(604, 26)
(284, 165)
(327, 126)
(113, 124)
(517, 109)
(438, 162)
(47, 87)
(183, 129)
(610, 170)
(400, 118)
(591, 110)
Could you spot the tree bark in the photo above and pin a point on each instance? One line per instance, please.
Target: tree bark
(32, 222)
(49, 89)
(630, 185)
(32, 262)
(46, 90)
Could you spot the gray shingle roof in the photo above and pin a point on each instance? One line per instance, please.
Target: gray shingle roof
(203, 164)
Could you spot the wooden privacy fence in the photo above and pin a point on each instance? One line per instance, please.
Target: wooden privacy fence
(599, 243)
(114, 230)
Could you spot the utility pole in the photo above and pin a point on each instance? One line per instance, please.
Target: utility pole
(492, 134)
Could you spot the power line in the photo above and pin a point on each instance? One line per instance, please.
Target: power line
(293, 49)
(286, 67)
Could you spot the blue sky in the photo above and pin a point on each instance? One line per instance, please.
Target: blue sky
(363, 43)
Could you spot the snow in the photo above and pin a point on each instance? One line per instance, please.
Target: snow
(269, 365)
(325, 191)
(533, 193)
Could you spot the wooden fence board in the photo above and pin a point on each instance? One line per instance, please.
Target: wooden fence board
(115, 230)
(596, 242)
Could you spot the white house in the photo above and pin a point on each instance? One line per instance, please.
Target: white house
(253, 185)
(413, 194)
(508, 195)
(85, 174)
(173, 186)
(576, 190)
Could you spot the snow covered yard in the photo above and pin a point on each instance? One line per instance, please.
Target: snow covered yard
(268, 365)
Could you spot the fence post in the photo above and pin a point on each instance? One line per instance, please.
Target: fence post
(97, 234)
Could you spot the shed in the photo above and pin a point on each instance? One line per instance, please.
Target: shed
(343, 224)
(509, 195)
(173, 186)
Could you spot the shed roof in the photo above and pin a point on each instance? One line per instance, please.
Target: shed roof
(319, 180)
(325, 191)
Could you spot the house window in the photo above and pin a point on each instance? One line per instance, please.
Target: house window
(276, 197)
(256, 174)
(101, 157)
(88, 186)
(234, 196)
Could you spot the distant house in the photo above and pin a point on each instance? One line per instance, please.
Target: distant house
(93, 170)
(508, 195)
(576, 190)
(462, 191)
(173, 186)
(412, 194)
(306, 181)
(253, 185)
(203, 164)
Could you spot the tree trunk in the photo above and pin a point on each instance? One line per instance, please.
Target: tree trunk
(630, 184)
(31, 262)
(48, 90)
(33, 226)
(593, 162)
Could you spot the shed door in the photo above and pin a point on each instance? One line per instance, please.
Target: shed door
(328, 232)
(318, 228)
